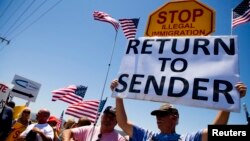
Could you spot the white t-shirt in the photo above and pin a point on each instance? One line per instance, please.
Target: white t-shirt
(45, 128)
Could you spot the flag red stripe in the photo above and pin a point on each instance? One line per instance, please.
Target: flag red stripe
(129, 27)
(67, 95)
(101, 16)
(85, 108)
(241, 13)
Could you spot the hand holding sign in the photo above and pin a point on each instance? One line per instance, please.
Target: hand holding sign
(195, 71)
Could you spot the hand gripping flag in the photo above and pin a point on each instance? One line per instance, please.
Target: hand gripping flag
(241, 13)
(129, 27)
(71, 94)
(101, 16)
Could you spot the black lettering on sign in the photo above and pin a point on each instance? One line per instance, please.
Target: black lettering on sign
(172, 84)
(133, 44)
(197, 87)
(135, 81)
(158, 88)
(147, 44)
(225, 92)
(122, 83)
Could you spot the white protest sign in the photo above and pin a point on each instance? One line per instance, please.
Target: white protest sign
(4, 93)
(195, 71)
(25, 88)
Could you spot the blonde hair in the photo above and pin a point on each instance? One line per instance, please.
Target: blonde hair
(68, 124)
(26, 108)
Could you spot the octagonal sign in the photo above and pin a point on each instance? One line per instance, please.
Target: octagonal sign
(181, 18)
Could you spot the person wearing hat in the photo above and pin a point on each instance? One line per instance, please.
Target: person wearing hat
(105, 132)
(53, 121)
(167, 117)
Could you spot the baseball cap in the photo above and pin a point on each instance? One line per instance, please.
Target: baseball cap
(166, 108)
(110, 110)
(53, 119)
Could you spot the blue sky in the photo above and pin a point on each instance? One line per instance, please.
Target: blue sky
(67, 46)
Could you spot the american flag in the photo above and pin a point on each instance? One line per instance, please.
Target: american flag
(241, 13)
(59, 124)
(100, 108)
(88, 108)
(101, 16)
(85, 108)
(71, 94)
(129, 27)
(103, 102)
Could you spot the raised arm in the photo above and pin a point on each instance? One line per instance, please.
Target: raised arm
(223, 116)
(121, 116)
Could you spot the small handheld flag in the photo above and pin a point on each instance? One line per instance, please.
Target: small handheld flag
(60, 122)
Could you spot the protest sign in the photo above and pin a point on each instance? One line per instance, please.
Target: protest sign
(4, 93)
(195, 71)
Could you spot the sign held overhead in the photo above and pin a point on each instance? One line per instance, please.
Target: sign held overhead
(181, 70)
(4, 93)
(181, 18)
(25, 88)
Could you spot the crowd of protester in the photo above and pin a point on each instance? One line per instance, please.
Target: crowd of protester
(45, 127)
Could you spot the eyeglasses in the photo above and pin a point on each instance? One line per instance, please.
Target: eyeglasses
(99, 137)
(26, 112)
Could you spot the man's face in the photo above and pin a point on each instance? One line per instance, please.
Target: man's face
(42, 116)
(108, 121)
(166, 122)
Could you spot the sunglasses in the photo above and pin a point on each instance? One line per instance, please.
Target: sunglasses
(99, 137)
(26, 112)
